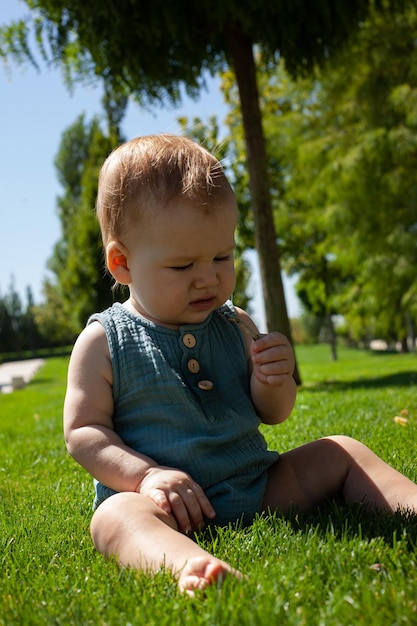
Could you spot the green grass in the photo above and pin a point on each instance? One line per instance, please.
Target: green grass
(332, 566)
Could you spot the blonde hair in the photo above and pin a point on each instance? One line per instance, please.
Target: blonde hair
(152, 171)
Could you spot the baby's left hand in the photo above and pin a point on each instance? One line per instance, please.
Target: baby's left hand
(272, 359)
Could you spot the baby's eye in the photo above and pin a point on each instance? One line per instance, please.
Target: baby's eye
(220, 259)
(182, 268)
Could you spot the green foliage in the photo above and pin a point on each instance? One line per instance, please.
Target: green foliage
(342, 160)
(176, 43)
(332, 566)
(341, 151)
(19, 327)
(359, 169)
(82, 286)
(151, 50)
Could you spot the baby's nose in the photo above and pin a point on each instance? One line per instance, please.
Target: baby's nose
(206, 277)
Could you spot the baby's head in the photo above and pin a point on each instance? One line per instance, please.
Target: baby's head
(152, 173)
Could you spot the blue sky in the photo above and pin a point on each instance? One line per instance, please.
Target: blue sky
(35, 109)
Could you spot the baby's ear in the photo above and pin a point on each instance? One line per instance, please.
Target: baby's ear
(117, 262)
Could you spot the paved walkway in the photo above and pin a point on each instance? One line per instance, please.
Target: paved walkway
(16, 374)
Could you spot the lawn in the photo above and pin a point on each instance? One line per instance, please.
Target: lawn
(332, 566)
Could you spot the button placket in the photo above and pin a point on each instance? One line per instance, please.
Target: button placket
(189, 341)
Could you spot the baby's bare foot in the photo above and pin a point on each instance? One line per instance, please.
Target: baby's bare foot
(202, 571)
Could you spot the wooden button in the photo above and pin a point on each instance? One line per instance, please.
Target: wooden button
(193, 366)
(205, 385)
(189, 340)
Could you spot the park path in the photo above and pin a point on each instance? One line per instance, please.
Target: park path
(16, 374)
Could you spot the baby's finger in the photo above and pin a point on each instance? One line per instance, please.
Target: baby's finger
(268, 341)
(275, 368)
(204, 502)
(180, 512)
(194, 509)
(159, 497)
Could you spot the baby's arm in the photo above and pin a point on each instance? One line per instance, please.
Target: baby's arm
(271, 365)
(92, 441)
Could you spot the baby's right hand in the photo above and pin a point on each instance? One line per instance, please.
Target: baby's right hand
(175, 492)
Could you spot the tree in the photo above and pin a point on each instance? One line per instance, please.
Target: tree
(152, 48)
(356, 168)
(287, 107)
(18, 329)
(8, 325)
(82, 286)
(342, 159)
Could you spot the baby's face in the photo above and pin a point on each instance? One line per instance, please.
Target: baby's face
(181, 263)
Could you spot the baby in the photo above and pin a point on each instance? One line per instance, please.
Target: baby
(165, 394)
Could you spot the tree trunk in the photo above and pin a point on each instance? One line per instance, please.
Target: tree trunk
(411, 337)
(242, 60)
(332, 336)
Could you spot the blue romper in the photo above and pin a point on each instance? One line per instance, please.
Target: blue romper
(182, 398)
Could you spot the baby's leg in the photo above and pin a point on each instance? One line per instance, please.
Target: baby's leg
(131, 528)
(334, 466)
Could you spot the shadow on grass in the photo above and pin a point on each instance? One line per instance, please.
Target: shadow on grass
(355, 522)
(335, 519)
(401, 379)
(39, 381)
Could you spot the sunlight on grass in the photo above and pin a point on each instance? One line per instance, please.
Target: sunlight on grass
(331, 566)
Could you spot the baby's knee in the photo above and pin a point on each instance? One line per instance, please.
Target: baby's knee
(104, 526)
(351, 449)
(122, 515)
(343, 441)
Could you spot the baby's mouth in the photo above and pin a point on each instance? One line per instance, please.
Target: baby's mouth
(203, 304)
